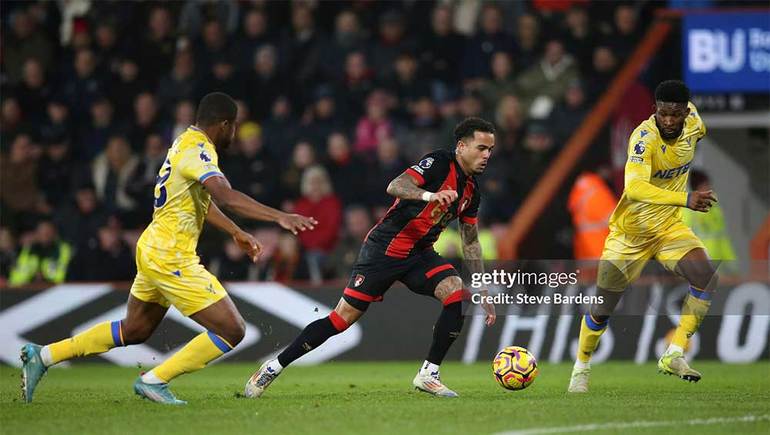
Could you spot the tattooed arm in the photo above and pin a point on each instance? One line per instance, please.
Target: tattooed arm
(404, 187)
(469, 233)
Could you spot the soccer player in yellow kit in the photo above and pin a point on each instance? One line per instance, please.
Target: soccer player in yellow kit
(168, 270)
(647, 224)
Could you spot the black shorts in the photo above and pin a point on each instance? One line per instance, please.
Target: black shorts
(374, 273)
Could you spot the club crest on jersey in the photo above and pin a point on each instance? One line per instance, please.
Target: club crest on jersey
(205, 157)
(639, 147)
(426, 163)
(358, 280)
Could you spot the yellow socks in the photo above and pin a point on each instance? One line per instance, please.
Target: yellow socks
(590, 332)
(694, 309)
(201, 350)
(97, 339)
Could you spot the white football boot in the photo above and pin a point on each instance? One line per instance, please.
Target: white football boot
(431, 383)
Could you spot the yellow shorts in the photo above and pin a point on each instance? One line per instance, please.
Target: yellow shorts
(188, 286)
(625, 255)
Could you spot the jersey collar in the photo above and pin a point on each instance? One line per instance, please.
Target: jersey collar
(194, 128)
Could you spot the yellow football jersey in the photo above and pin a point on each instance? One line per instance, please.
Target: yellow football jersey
(181, 202)
(656, 177)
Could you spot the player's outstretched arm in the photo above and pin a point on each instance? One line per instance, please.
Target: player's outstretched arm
(474, 261)
(405, 187)
(244, 240)
(243, 205)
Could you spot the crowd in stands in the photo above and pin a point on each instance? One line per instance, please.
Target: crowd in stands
(335, 100)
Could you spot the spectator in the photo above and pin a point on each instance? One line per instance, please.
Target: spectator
(22, 43)
(34, 91)
(157, 50)
(528, 41)
(84, 86)
(569, 113)
(358, 222)
(7, 254)
(280, 129)
(442, 49)
(391, 42)
(302, 158)
(357, 84)
(626, 34)
(184, 117)
(108, 54)
(101, 127)
(264, 83)
(141, 189)
(490, 39)
(323, 118)
(19, 191)
(12, 121)
(146, 120)
(375, 126)
(605, 65)
(579, 38)
(303, 46)
(57, 171)
(318, 200)
(345, 169)
(389, 165)
(348, 37)
(502, 82)
(423, 132)
(221, 78)
(44, 259)
(126, 86)
(252, 169)
(112, 172)
(509, 118)
(255, 34)
(590, 204)
(406, 85)
(179, 84)
(80, 219)
(545, 83)
(194, 12)
(105, 258)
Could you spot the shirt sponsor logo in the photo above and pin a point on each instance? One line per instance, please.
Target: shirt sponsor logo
(667, 174)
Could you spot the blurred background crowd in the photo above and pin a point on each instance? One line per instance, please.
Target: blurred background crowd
(335, 100)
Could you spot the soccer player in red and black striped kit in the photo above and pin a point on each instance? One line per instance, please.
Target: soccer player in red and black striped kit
(440, 187)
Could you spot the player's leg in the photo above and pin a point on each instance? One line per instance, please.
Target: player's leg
(622, 261)
(314, 335)
(199, 295)
(432, 275)
(145, 310)
(369, 281)
(684, 254)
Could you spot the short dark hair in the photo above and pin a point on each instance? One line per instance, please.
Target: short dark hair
(672, 91)
(215, 107)
(469, 126)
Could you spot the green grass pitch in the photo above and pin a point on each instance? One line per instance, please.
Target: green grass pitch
(373, 397)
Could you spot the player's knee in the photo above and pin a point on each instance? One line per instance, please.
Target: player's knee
(705, 278)
(447, 287)
(235, 332)
(135, 332)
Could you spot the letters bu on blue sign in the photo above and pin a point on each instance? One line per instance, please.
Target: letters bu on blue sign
(727, 52)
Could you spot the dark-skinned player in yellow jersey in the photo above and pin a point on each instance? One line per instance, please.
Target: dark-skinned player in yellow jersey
(647, 224)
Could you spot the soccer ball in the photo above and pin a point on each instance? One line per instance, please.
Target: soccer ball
(514, 368)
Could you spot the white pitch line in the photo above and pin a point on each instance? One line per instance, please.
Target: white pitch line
(638, 424)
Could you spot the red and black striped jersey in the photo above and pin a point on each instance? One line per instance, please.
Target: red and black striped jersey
(410, 226)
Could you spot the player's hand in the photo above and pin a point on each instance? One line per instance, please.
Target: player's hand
(296, 223)
(248, 244)
(444, 197)
(701, 201)
(489, 310)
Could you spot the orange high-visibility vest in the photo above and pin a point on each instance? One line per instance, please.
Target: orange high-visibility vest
(590, 203)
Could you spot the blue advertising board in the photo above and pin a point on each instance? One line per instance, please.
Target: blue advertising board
(727, 52)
